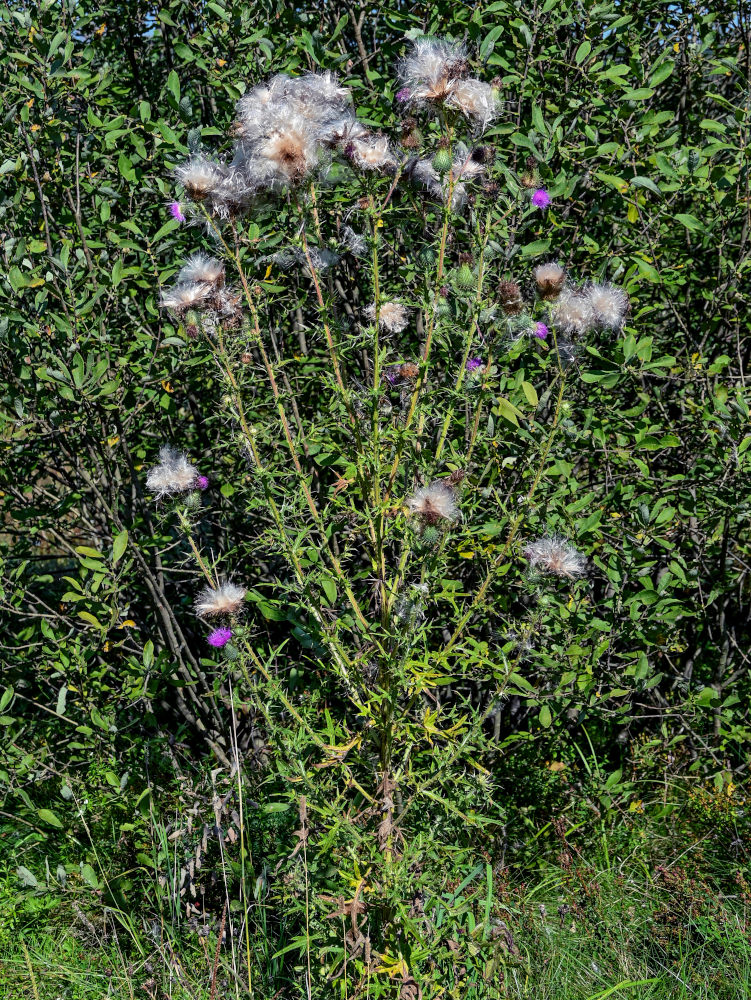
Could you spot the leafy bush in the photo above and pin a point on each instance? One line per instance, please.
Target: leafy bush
(382, 416)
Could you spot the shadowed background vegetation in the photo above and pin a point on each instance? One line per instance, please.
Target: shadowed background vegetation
(572, 814)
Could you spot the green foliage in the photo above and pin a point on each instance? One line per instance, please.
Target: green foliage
(402, 703)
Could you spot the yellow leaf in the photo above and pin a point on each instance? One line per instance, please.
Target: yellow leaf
(221, 62)
(268, 272)
(167, 387)
(633, 213)
(35, 127)
(128, 623)
(112, 441)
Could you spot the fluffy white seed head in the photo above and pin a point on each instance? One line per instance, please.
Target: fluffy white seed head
(290, 152)
(174, 474)
(553, 554)
(431, 69)
(188, 295)
(202, 269)
(434, 503)
(573, 312)
(549, 279)
(392, 316)
(200, 176)
(371, 152)
(609, 304)
(226, 599)
(422, 173)
(475, 100)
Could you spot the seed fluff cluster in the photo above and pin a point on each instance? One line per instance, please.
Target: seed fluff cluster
(226, 599)
(174, 474)
(434, 504)
(553, 554)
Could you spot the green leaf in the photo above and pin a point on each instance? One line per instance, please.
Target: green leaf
(173, 85)
(582, 52)
(119, 545)
(545, 718)
(47, 816)
(89, 876)
(689, 221)
(531, 393)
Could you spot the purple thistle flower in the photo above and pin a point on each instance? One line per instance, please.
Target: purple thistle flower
(202, 482)
(403, 95)
(393, 375)
(540, 331)
(541, 198)
(473, 364)
(176, 211)
(220, 637)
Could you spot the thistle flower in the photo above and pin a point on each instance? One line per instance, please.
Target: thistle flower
(609, 304)
(174, 474)
(510, 297)
(474, 363)
(202, 483)
(200, 176)
(219, 637)
(226, 599)
(475, 100)
(553, 554)
(549, 279)
(175, 210)
(392, 316)
(541, 198)
(403, 95)
(540, 331)
(202, 269)
(433, 504)
(573, 313)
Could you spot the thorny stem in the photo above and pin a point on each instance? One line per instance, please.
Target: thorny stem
(515, 525)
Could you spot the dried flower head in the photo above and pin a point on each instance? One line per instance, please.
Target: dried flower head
(434, 503)
(189, 295)
(392, 316)
(202, 269)
(475, 100)
(226, 599)
(431, 70)
(220, 637)
(371, 152)
(289, 154)
(609, 304)
(549, 279)
(510, 297)
(553, 554)
(200, 176)
(573, 312)
(174, 474)
(354, 242)
(421, 172)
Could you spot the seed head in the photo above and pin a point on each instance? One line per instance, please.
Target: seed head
(609, 304)
(189, 295)
(200, 176)
(549, 279)
(430, 71)
(202, 269)
(433, 504)
(510, 297)
(392, 316)
(226, 599)
(553, 554)
(371, 152)
(475, 100)
(573, 313)
(174, 474)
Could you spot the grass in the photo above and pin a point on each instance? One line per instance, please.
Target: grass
(570, 928)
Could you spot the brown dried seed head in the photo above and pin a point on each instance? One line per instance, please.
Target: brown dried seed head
(510, 297)
(246, 358)
(409, 370)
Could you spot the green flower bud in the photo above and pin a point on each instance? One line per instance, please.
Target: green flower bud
(465, 277)
(442, 161)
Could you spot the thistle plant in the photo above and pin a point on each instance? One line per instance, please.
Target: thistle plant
(394, 533)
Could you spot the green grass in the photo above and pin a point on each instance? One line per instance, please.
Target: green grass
(576, 928)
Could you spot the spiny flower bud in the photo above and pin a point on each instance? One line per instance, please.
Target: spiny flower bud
(427, 258)
(510, 297)
(442, 161)
(465, 277)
